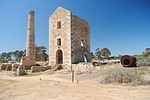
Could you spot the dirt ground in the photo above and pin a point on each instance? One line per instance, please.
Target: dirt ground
(58, 86)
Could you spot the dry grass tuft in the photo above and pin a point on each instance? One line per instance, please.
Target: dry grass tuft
(122, 75)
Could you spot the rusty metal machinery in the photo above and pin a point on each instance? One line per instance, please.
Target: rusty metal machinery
(128, 61)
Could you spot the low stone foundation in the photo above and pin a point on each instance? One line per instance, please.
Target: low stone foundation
(39, 68)
(82, 67)
(14, 67)
(9, 66)
(3, 66)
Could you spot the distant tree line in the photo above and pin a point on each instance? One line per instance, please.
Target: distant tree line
(104, 53)
(11, 56)
(16, 56)
(101, 54)
(41, 55)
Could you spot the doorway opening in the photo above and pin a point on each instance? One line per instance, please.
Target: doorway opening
(59, 57)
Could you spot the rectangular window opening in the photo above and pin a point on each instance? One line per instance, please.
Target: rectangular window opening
(59, 42)
(58, 24)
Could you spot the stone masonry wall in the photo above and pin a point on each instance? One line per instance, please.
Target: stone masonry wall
(79, 32)
(63, 33)
(73, 30)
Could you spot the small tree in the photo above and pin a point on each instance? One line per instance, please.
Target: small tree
(98, 53)
(105, 53)
(41, 53)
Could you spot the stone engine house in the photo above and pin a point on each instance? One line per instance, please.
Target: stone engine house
(69, 38)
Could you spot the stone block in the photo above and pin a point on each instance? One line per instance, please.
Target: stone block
(21, 71)
(3, 66)
(9, 67)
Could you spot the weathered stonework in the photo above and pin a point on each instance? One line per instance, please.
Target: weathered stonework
(29, 59)
(21, 71)
(39, 68)
(3, 66)
(15, 66)
(68, 38)
(79, 35)
(9, 67)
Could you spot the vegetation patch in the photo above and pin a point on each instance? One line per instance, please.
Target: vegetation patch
(122, 75)
(142, 70)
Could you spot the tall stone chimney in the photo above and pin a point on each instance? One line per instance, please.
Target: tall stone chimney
(29, 58)
(30, 45)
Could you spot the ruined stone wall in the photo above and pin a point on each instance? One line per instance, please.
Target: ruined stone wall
(79, 32)
(64, 16)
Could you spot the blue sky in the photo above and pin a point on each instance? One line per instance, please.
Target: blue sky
(123, 26)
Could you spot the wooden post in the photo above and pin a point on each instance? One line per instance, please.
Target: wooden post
(72, 76)
(71, 67)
